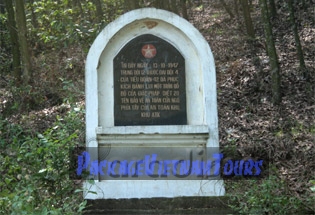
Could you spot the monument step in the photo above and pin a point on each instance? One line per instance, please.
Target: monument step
(179, 205)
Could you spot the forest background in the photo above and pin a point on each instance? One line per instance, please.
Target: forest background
(264, 53)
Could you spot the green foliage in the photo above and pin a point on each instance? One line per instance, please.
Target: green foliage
(71, 91)
(35, 169)
(60, 23)
(270, 196)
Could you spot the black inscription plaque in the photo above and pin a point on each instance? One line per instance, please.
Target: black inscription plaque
(149, 83)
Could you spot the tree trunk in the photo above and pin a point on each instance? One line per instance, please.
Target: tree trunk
(132, 4)
(14, 41)
(24, 46)
(99, 11)
(273, 8)
(297, 40)
(77, 4)
(2, 7)
(184, 9)
(162, 4)
(174, 6)
(303, 4)
(236, 8)
(166, 5)
(227, 8)
(156, 4)
(271, 51)
(248, 19)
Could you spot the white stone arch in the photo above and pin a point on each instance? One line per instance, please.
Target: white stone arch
(201, 103)
(200, 67)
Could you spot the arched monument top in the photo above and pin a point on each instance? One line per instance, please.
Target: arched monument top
(200, 66)
(150, 18)
(107, 68)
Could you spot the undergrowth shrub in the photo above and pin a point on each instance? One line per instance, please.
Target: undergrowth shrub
(59, 24)
(35, 169)
(269, 196)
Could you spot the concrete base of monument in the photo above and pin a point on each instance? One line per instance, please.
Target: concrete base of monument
(169, 137)
(180, 205)
(120, 189)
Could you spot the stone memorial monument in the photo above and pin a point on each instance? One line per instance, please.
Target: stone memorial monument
(151, 82)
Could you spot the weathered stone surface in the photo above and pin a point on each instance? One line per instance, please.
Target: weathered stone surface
(160, 39)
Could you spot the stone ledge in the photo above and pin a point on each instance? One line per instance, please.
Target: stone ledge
(180, 205)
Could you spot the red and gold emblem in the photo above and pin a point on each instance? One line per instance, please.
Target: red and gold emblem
(148, 51)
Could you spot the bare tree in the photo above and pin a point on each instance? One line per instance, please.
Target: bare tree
(99, 11)
(297, 40)
(131, 4)
(271, 51)
(184, 8)
(248, 19)
(236, 8)
(14, 41)
(227, 8)
(272, 8)
(174, 8)
(24, 46)
(76, 4)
